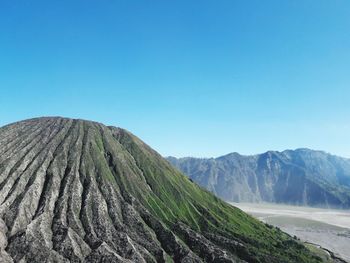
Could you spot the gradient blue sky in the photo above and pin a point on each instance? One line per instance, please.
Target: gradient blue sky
(191, 78)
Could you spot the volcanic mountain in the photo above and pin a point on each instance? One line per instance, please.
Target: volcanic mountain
(298, 177)
(79, 191)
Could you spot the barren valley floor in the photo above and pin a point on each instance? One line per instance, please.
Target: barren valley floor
(328, 228)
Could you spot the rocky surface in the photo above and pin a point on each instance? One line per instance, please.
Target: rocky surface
(300, 177)
(79, 191)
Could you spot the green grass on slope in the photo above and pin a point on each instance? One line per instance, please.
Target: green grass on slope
(320, 252)
(175, 198)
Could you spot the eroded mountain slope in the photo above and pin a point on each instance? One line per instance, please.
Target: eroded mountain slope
(78, 191)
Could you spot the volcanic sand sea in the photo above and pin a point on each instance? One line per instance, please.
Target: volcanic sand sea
(328, 228)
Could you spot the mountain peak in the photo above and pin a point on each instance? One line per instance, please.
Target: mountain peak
(78, 191)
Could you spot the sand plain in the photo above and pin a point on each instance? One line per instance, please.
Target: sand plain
(328, 228)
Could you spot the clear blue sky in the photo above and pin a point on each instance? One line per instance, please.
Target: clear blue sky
(199, 78)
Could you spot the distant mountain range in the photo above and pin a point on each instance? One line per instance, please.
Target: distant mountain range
(298, 177)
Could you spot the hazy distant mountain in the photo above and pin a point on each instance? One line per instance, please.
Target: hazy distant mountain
(79, 191)
(301, 177)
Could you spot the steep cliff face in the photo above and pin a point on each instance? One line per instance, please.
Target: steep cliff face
(301, 177)
(78, 191)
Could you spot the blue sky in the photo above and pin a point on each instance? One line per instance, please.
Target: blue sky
(191, 78)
